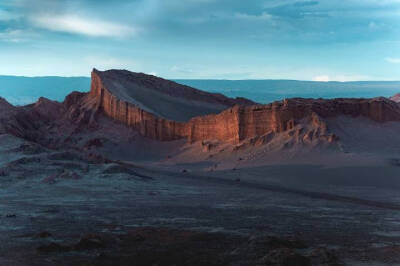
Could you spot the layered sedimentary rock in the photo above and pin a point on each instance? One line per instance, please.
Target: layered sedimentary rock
(243, 122)
(163, 98)
(234, 124)
(113, 94)
(132, 115)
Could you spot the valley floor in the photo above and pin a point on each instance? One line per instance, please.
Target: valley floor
(57, 209)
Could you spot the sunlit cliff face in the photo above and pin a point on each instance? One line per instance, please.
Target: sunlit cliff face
(300, 118)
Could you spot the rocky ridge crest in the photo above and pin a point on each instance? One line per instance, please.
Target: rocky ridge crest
(302, 120)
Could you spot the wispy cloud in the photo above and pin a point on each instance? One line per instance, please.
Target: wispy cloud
(392, 60)
(83, 26)
(322, 78)
(184, 70)
(6, 15)
(261, 17)
(17, 35)
(107, 62)
(340, 78)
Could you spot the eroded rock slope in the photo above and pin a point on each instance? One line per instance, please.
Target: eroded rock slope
(164, 110)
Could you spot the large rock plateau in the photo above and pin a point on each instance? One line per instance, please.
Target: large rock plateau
(164, 110)
(119, 95)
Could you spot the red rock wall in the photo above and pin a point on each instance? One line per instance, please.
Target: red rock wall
(244, 122)
(261, 119)
(378, 109)
(240, 122)
(146, 123)
(223, 126)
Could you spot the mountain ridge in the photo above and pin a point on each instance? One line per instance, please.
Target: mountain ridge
(301, 121)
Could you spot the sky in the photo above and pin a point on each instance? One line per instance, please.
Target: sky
(322, 40)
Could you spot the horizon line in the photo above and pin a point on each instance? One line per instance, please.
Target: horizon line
(216, 79)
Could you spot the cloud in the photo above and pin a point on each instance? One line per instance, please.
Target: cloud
(262, 17)
(339, 78)
(392, 60)
(17, 35)
(107, 62)
(82, 26)
(6, 15)
(323, 78)
(295, 9)
(183, 70)
(306, 3)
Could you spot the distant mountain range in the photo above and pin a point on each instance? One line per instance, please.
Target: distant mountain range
(265, 91)
(25, 90)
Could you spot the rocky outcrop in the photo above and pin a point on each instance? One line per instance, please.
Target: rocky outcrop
(5, 106)
(396, 98)
(234, 124)
(245, 122)
(113, 94)
(19, 121)
(48, 108)
(163, 98)
(146, 123)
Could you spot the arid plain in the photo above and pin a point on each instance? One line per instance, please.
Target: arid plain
(144, 171)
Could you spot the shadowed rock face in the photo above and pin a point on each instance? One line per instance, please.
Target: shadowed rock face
(26, 121)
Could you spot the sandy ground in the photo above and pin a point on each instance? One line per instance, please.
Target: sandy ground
(352, 210)
(344, 199)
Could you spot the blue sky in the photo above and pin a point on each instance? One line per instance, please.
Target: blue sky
(224, 39)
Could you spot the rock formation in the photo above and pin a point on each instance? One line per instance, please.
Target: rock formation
(119, 89)
(145, 102)
(396, 98)
(243, 121)
(164, 110)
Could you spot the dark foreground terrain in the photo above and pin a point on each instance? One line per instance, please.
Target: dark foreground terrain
(79, 212)
(106, 178)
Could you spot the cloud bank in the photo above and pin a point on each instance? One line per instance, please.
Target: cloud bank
(392, 60)
(331, 39)
(84, 26)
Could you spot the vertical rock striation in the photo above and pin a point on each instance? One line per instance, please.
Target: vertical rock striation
(146, 123)
(234, 124)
